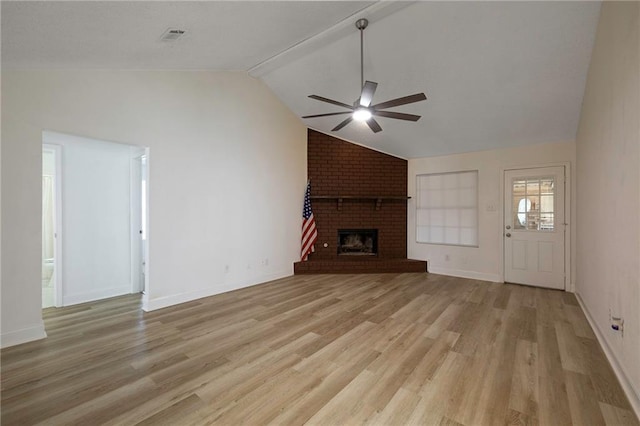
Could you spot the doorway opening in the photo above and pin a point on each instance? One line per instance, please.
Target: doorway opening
(139, 220)
(103, 218)
(51, 225)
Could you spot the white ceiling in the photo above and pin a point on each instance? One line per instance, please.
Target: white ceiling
(496, 74)
(225, 35)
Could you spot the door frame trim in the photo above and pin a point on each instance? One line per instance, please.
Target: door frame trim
(569, 284)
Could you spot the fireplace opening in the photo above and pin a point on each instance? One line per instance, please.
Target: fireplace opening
(357, 242)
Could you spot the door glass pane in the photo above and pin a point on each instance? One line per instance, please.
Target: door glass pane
(546, 186)
(546, 221)
(519, 187)
(520, 206)
(533, 204)
(546, 204)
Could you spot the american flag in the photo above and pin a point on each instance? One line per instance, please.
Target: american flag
(309, 231)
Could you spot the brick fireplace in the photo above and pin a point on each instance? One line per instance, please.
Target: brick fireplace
(357, 189)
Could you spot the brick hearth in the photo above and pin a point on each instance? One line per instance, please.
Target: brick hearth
(368, 266)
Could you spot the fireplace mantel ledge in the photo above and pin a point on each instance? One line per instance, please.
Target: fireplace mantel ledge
(377, 198)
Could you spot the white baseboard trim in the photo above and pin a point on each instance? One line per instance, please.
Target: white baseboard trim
(175, 299)
(24, 335)
(618, 369)
(74, 299)
(483, 276)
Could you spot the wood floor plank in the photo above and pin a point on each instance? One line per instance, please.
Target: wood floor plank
(617, 416)
(573, 351)
(398, 410)
(443, 321)
(445, 421)
(380, 349)
(431, 361)
(396, 370)
(310, 403)
(583, 401)
(579, 322)
(524, 384)
(528, 323)
(494, 394)
(516, 418)
(552, 394)
(502, 299)
(438, 396)
(341, 408)
(603, 379)
(174, 412)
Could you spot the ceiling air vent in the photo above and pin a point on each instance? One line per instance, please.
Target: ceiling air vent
(172, 34)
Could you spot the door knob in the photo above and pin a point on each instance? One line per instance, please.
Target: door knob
(508, 234)
(508, 226)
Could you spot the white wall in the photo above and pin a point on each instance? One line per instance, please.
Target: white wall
(227, 175)
(485, 261)
(96, 207)
(608, 160)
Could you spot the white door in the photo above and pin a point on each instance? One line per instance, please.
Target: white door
(137, 256)
(534, 227)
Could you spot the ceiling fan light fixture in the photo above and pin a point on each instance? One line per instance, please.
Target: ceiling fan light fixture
(362, 110)
(361, 114)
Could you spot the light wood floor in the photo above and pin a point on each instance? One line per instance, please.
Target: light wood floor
(326, 349)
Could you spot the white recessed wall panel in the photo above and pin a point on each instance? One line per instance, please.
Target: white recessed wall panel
(544, 251)
(520, 257)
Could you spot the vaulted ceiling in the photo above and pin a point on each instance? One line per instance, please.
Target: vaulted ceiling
(496, 74)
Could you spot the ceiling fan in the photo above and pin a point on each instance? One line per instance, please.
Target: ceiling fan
(362, 110)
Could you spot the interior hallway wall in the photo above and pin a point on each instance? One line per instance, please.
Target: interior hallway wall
(608, 160)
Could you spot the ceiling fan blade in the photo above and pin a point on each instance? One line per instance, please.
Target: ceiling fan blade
(328, 114)
(341, 125)
(373, 125)
(397, 115)
(401, 101)
(330, 101)
(368, 90)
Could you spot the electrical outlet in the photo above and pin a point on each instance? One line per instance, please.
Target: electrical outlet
(446, 258)
(617, 324)
(226, 269)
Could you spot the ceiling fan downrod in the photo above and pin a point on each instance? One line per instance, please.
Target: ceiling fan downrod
(361, 24)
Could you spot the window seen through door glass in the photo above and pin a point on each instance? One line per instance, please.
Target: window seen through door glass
(533, 204)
